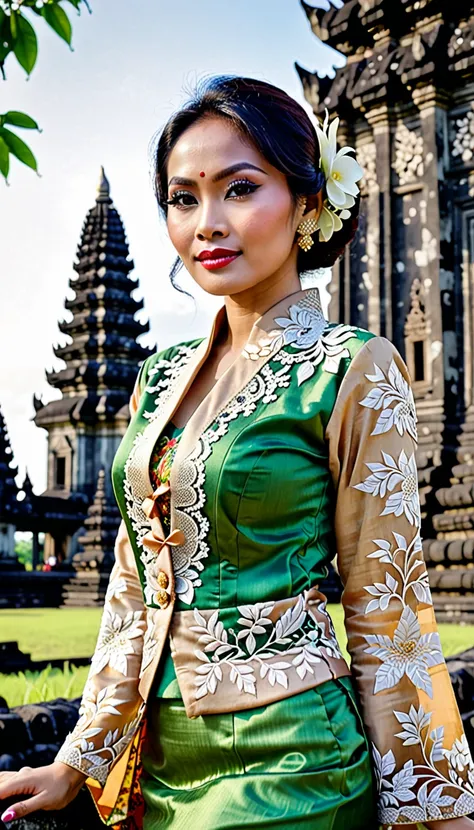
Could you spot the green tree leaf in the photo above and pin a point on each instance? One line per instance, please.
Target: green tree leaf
(25, 44)
(4, 158)
(57, 18)
(18, 148)
(19, 119)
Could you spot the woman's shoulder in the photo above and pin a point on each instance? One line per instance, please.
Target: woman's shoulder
(363, 354)
(358, 341)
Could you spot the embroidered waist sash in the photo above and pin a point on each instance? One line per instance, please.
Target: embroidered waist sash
(239, 658)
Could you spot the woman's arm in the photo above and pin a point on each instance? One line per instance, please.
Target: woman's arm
(422, 762)
(111, 706)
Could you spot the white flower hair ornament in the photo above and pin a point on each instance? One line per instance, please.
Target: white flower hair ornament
(341, 174)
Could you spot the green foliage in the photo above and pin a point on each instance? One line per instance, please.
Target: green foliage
(35, 687)
(18, 38)
(24, 552)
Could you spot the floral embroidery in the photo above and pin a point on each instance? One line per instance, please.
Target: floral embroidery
(431, 802)
(115, 588)
(304, 329)
(149, 643)
(103, 704)
(385, 477)
(392, 389)
(410, 652)
(81, 752)
(392, 588)
(168, 372)
(114, 642)
(294, 635)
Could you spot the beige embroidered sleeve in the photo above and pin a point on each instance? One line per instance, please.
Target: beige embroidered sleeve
(423, 766)
(111, 706)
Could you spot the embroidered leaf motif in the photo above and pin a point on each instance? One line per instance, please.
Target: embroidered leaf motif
(305, 371)
(394, 394)
(420, 791)
(402, 559)
(295, 634)
(115, 640)
(82, 753)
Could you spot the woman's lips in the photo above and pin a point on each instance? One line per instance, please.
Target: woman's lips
(218, 262)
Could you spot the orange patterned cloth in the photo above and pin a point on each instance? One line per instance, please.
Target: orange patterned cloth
(160, 467)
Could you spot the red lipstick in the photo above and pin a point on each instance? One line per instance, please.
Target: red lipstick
(217, 258)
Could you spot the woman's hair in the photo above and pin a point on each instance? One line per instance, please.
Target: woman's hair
(282, 132)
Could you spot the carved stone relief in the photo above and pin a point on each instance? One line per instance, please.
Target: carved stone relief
(463, 144)
(417, 338)
(366, 158)
(408, 162)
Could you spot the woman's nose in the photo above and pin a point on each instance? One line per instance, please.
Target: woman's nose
(210, 224)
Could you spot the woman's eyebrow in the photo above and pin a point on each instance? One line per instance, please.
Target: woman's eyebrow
(242, 165)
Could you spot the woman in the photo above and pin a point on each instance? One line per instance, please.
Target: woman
(253, 457)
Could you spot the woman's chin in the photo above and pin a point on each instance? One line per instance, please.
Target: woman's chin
(223, 282)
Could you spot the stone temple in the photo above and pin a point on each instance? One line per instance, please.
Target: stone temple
(406, 102)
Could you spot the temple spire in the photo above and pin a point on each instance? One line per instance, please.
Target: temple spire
(103, 188)
(98, 540)
(8, 487)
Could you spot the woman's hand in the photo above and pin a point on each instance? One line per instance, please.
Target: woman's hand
(49, 788)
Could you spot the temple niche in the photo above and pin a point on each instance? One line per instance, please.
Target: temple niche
(406, 102)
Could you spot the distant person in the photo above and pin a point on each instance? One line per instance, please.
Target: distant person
(218, 696)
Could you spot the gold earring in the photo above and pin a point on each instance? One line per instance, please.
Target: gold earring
(307, 226)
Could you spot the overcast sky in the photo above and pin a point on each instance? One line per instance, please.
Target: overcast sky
(102, 104)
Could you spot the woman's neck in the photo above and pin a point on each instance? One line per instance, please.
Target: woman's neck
(246, 307)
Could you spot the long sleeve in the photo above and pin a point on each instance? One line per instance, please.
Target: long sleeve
(111, 706)
(422, 762)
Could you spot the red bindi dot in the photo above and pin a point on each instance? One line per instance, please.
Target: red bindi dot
(202, 173)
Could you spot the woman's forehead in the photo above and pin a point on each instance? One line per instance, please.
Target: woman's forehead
(213, 142)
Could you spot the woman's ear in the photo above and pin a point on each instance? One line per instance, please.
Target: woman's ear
(312, 208)
(314, 203)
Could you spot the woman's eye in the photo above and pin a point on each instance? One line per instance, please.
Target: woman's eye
(174, 200)
(241, 188)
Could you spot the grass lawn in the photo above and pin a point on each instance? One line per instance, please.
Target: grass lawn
(51, 632)
(72, 632)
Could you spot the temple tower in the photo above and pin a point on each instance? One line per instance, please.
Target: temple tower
(8, 500)
(406, 102)
(101, 359)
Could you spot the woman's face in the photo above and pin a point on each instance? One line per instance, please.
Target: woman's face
(248, 211)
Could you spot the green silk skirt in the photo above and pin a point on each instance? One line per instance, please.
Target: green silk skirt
(302, 761)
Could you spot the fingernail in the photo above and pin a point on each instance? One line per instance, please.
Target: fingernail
(9, 815)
